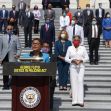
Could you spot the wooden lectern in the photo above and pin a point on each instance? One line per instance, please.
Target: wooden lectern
(30, 85)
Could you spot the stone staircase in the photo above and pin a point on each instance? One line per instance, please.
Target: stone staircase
(97, 83)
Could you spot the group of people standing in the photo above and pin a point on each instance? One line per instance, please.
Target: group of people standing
(69, 49)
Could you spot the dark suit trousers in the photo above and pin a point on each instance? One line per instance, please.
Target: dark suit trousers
(36, 26)
(86, 30)
(100, 24)
(3, 23)
(94, 47)
(28, 36)
(5, 78)
(63, 69)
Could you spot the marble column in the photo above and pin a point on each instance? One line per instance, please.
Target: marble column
(7, 3)
(36, 2)
(73, 4)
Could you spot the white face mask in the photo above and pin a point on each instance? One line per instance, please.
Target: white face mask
(63, 36)
(72, 22)
(108, 15)
(94, 22)
(87, 7)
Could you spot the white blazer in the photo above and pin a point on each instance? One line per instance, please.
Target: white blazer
(80, 54)
(64, 21)
(78, 31)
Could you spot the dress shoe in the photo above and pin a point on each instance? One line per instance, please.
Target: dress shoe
(5, 88)
(74, 104)
(91, 63)
(96, 63)
(81, 105)
(65, 88)
(61, 88)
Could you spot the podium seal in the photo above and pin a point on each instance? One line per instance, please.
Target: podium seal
(30, 97)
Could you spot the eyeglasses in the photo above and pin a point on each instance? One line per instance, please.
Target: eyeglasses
(9, 29)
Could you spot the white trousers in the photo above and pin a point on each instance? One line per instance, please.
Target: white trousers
(77, 84)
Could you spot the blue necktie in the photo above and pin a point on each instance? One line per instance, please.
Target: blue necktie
(9, 38)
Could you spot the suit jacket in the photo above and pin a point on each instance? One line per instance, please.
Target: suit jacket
(12, 15)
(6, 14)
(90, 33)
(45, 2)
(78, 31)
(88, 18)
(97, 13)
(49, 15)
(47, 36)
(28, 21)
(63, 2)
(59, 47)
(79, 17)
(24, 6)
(13, 48)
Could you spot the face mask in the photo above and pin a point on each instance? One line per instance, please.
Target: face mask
(64, 14)
(108, 16)
(3, 8)
(27, 9)
(87, 7)
(72, 22)
(47, 21)
(9, 32)
(63, 36)
(94, 22)
(13, 8)
(45, 50)
(76, 43)
(79, 9)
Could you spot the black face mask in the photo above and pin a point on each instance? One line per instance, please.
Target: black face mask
(13, 8)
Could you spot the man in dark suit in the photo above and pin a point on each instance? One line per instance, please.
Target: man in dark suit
(94, 41)
(13, 19)
(45, 4)
(47, 33)
(100, 13)
(21, 8)
(88, 16)
(3, 18)
(79, 15)
(28, 19)
(65, 3)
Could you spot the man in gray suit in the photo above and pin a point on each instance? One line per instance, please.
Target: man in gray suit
(49, 14)
(9, 51)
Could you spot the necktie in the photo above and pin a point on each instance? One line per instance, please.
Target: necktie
(74, 30)
(9, 38)
(46, 26)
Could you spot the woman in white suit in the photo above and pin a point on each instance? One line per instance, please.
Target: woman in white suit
(77, 55)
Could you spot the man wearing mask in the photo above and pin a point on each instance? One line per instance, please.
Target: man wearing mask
(79, 15)
(45, 4)
(100, 13)
(21, 8)
(28, 18)
(9, 51)
(65, 3)
(3, 19)
(94, 41)
(13, 19)
(50, 13)
(64, 20)
(47, 33)
(88, 16)
(75, 29)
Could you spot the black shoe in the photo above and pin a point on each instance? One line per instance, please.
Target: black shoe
(91, 63)
(96, 63)
(5, 88)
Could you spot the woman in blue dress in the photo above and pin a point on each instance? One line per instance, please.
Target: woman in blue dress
(106, 24)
